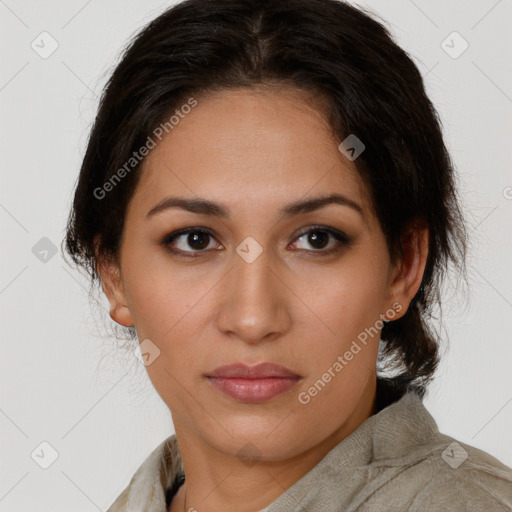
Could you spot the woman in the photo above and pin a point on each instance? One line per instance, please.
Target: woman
(269, 206)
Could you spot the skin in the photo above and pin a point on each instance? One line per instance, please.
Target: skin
(256, 151)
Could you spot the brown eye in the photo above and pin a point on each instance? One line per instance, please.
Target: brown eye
(188, 240)
(319, 238)
(198, 240)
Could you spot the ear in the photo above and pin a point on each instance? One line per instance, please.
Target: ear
(407, 273)
(113, 287)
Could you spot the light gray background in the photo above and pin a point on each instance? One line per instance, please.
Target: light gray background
(62, 383)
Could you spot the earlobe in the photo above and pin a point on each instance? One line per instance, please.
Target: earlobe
(113, 288)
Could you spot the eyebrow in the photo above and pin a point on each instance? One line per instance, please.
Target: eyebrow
(207, 207)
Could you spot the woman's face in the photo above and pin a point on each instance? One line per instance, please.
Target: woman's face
(257, 283)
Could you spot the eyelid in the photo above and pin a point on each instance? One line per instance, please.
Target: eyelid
(170, 237)
(342, 240)
(318, 227)
(340, 237)
(185, 231)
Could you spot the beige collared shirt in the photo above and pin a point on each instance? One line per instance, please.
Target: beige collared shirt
(397, 460)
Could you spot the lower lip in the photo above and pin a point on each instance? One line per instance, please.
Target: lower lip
(253, 390)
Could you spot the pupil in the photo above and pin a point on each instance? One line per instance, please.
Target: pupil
(193, 239)
(314, 237)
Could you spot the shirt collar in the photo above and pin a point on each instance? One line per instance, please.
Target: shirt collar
(384, 438)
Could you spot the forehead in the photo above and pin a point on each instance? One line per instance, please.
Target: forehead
(270, 145)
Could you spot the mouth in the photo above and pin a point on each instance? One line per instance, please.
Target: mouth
(253, 384)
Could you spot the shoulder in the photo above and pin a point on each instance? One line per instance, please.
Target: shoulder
(462, 478)
(147, 487)
(416, 465)
(471, 488)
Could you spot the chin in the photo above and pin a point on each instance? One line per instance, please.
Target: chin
(256, 438)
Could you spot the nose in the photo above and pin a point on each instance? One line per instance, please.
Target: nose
(254, 301)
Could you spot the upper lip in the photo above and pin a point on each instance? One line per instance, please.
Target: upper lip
(245, 371)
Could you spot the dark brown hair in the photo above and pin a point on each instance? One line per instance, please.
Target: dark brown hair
(373, 90)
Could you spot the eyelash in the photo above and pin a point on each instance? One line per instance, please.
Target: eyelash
(342, 239)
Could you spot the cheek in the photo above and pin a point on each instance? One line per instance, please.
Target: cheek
(161, 297)
(170, 307)
(168, 314)
(345, 302)
(344, 336)
(345, 355)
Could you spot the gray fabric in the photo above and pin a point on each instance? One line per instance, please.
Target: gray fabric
(397, 460)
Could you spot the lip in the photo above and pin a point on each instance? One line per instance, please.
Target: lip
(258, 371)
(253, 384)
